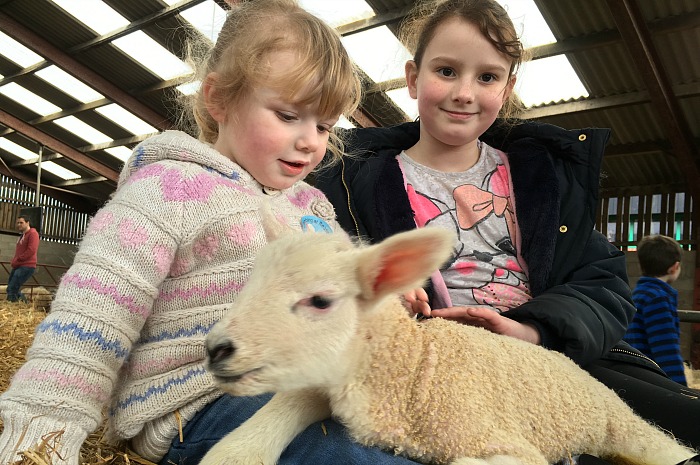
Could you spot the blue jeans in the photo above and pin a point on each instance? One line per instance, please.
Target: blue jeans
(18, 276)
(311, 447)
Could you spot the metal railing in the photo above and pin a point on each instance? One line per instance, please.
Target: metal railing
(46, 276)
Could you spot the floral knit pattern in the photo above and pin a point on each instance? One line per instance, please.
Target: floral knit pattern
(158, 266)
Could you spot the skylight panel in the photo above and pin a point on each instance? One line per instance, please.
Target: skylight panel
(352, 10)
(16, 149)
(95, 14)
(387, 58)
(548, 80)
(29, 99)
(17, 53)
(59, 171)
(529, 22)
(404, 101)
(82, 130)
(26, 154)
(343, 122)
(68, 84)
(121, 152)
(151, 55)
(189, 88)
(126, 119)
(207, 17)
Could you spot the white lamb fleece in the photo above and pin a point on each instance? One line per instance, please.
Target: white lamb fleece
(435, 391)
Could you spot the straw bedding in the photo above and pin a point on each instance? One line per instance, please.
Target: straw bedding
(17, 323)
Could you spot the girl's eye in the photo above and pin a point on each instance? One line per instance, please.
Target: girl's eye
(322, 128)
(320, 302)
(447, 72)
(488, 77)
(285, 116)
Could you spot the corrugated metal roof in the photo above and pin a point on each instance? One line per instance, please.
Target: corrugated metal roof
(642, 151)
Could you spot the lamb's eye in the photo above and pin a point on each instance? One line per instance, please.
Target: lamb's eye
(320, 302)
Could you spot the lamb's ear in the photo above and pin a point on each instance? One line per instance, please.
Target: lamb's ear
(402, 262)
(273, 226)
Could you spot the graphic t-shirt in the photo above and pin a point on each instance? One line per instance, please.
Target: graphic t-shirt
(484, 270)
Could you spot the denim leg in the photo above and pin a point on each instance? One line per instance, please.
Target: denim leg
(311, 447)
(18, 276)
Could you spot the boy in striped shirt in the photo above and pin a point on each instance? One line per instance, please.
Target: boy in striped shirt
(655, 328)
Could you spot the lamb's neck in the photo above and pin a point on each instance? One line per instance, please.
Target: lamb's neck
(387, 346)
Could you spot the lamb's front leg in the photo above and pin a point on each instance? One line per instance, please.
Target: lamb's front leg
(264, 436)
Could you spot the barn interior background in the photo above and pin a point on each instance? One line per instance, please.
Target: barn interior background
(83, 81)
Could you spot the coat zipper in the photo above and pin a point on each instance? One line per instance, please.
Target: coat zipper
(623, 351)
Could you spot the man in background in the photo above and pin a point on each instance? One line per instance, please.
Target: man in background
(24, 262)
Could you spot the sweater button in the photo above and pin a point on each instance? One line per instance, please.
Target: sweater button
(563, 228)
(582, 137)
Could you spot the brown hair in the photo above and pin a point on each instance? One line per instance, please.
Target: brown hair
(657, 254)
(489, 16)
(255, 29)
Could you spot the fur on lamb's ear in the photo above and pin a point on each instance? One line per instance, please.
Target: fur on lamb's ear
(402, 262)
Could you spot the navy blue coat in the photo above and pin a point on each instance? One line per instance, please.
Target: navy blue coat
(581, 301)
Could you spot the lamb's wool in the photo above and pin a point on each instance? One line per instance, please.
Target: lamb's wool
(436, 391)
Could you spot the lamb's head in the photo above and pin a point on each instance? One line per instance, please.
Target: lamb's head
(297, 315)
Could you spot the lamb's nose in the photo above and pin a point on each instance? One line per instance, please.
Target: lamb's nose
(220, 351)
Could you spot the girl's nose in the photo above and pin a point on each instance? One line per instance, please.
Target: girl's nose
(464, 91)
(309, 139)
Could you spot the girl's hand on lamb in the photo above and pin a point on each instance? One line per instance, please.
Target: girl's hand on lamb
(488, 319)
(416, 301)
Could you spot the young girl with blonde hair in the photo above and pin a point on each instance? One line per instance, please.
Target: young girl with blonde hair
(161, 261)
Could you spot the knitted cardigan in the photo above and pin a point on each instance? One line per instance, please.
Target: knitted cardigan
(157, 267)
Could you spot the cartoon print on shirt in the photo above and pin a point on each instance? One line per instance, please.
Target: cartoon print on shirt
(484, 260)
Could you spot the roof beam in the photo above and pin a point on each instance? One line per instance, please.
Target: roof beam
(57, 146)
(605, 103)
(637, 39)
(41, 46)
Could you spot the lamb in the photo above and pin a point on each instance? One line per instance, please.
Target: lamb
(320, 324)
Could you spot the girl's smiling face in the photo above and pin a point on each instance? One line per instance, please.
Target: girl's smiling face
(278, 142)
(460, 87)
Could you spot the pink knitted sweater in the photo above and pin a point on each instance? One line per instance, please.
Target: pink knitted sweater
(157, 267)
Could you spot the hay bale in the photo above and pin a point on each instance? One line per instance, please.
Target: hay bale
(17, 324)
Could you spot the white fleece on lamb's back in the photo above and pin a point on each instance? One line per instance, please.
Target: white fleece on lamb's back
(442, 390)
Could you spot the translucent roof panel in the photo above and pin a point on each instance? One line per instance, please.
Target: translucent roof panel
(29, 99)
(152, 56)
(387, 58)
(17, 53)
(529, 23)
(16, 149)
(121, 152)
(68, 84)
(95, 14)
(207, 17)
(343, 122)
(548, 80)
(82, 130)
(26, 154)
(59, 171)
(126, 119)
(330, 12)
(404, 101)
